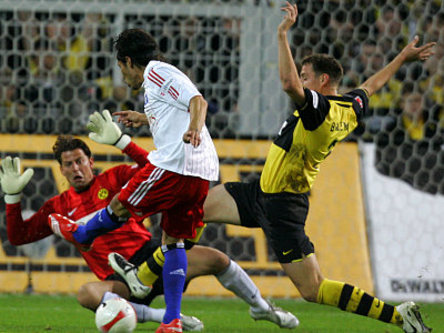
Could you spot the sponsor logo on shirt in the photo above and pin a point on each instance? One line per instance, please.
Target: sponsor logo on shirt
(72, 212)
(359, 100)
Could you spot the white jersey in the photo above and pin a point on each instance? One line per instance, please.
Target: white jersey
(168, 92)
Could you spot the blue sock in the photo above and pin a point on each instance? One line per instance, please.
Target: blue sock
(100, 224)
(174, 273)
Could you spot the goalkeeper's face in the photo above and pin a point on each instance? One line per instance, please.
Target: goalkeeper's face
(132, 75)
(77, 168)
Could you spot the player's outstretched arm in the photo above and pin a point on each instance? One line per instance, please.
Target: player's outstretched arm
(12, 183)
(198, 112)
(105, 130)
(131, 118)
(408, 53)
(288, 73)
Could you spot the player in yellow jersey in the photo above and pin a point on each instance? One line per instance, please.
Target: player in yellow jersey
(278, 203)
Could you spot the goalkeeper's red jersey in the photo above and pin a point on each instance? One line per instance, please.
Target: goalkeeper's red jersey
(80, 207)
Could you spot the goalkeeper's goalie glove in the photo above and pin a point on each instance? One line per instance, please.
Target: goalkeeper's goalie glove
(12, 181)
(105, 130)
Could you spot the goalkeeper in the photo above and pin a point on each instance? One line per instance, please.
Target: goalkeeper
(133, 241)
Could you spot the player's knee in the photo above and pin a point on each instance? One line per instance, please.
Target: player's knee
(171, 241)
(217, 262)
(220, 262)
(84, 295)
(203, 260)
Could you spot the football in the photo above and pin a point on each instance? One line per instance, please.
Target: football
(116, 315)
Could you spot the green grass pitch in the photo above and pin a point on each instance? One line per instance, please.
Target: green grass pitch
(42, 313)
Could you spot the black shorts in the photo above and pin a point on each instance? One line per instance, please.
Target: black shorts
(280, 215)
(137, 259)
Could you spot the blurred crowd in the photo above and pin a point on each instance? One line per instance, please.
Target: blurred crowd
(57, 67)
(406, 119)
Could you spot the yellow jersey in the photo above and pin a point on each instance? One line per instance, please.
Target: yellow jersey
(307, 137)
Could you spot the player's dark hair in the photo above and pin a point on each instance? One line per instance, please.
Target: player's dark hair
(410, 87)
(68, 143)
(138, 45)
(324, 64)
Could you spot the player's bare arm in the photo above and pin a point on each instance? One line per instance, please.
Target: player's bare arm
(290, 80)
(131, 118)
(408, 53)
(198, 112)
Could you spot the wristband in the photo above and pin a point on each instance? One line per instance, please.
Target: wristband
(12, 198)
(123, 141)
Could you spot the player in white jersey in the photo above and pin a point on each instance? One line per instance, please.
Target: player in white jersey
(168, 93)
(175, 181)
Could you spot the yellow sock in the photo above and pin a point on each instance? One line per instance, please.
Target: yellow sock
(150, 270)
(355, 300)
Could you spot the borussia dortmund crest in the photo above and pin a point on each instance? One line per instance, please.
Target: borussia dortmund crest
(103, 193)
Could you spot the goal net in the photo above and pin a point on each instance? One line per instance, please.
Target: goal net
(57, 66)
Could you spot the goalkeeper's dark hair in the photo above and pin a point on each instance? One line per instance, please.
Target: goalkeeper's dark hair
(138, 45)
(324, 64)
(68, 143)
